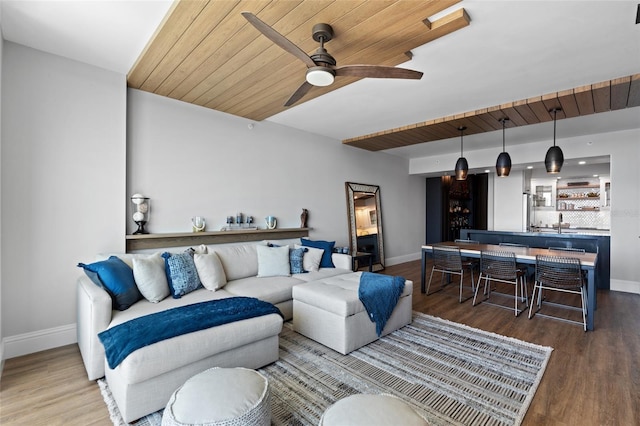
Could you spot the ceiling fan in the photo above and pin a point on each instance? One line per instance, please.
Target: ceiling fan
(321, 66)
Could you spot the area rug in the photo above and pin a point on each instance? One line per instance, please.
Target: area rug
(448, 372)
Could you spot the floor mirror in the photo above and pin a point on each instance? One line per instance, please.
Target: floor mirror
(365, 223)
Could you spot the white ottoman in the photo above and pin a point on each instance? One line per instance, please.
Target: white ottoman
(220, 397)
(370, 410)
(330, 312)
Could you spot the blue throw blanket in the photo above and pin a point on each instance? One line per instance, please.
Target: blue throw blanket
(379, 294)
(123, 339)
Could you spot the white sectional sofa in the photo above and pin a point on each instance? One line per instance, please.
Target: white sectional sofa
(144, 381)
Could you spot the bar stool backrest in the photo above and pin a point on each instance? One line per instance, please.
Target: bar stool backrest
(466, 241)
(514, 245)
(447, 258)
(498, 264)
(577, 250)
(559, 272)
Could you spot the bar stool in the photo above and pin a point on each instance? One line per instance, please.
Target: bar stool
(500, 267)
(563, 274)
(530, 269)
(469, 262)
(447, 260)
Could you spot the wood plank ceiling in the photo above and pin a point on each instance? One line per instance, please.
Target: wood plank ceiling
(595, 98)
(207, 54)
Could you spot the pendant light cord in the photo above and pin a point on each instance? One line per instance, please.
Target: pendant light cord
(462, 129)
(555, 111)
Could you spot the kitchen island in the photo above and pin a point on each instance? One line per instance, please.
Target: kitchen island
(590, 242)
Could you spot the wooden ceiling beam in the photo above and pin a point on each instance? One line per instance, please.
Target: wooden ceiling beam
(584, 100)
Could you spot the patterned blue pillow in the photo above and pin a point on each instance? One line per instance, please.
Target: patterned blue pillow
(182, 274)
(295, 260)
(116, 278)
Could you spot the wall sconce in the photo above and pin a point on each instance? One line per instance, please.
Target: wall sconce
(503, 164)
(462, 167)
(555, 158)
(141, 211)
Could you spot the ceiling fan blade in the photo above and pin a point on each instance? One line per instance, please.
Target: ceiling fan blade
(376, 71)
(298, 94)
(278, 39)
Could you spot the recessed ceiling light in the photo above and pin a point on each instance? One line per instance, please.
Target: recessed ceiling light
(487, 170)
(582, 162)
(595, 175)
(529, 167)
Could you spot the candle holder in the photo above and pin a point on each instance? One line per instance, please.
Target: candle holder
(141, 210)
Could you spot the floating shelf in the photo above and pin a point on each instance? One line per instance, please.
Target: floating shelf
(183, 239)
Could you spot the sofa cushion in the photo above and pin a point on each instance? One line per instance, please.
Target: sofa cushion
(238, 260)
(270, 289)
(150, 276)
(210, 271)
(182, 274)
(327, 246)
(168, 355)
(321, 273)
(116, 277)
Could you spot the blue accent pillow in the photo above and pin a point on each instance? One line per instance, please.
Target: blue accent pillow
(116, 278)
(295, 260)
(182, 274)
(327, 246)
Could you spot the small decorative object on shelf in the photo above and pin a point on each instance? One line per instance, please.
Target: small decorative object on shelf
(141, 212)
(239, 218)
(303, 218)
(198, 224)
(271, 222)
(249, 220)
(229, 220)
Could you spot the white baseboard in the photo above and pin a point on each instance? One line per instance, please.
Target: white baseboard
(625, 286)
(390, 261)
(37, 341)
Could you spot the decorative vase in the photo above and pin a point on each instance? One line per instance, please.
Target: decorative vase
(198, 224)
(271, 222)
(141, 211)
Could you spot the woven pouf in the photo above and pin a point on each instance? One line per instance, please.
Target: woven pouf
(369, 410)
(220, 397)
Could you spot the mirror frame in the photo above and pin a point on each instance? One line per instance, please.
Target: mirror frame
(351, 188)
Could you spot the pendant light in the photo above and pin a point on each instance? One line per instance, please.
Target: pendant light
(462, 167)
(554, 158)
(503, 164)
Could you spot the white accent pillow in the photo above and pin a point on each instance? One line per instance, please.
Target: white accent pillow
(201, 249)
(210, 271)
(312, 258)
(151, 278)
(273, 261)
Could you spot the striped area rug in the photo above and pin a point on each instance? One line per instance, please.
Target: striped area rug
(449, 373)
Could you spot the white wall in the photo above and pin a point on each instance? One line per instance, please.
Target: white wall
(63, 189)
(624, 149)
(193, 161)
(1, 333)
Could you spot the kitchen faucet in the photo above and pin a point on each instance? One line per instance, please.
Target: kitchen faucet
(559, 223)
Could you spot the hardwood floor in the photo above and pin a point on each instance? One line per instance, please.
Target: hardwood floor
(592, 378)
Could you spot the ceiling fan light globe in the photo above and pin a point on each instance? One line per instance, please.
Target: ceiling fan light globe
(320, 76)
